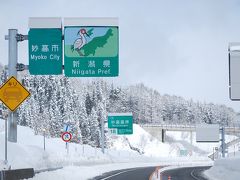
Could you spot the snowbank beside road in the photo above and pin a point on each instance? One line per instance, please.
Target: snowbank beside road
(225, 169)
(87, 172)
(86, 160)
(28, 151)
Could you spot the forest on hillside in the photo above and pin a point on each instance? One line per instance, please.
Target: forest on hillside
(56, 101)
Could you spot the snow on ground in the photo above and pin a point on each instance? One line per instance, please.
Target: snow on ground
(225, 169)
(145, 142)
(174, 144)
(87, 172)
(182, 140)
(85, 162)
(156, 175)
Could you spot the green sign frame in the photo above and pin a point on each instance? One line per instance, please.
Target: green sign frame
(45, 51)
(91, 51)
(123, 122)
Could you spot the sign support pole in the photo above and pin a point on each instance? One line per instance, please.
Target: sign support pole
(223, 141)
(102, 135)
(13, 37)
(6, 160)
(12, 71)
(67, 145)
(44, 143)
(213, 153)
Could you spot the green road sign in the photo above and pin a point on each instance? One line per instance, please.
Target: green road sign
(91, 51)
(183, 152)
(45, 51)
(124, 131)
(123, 122)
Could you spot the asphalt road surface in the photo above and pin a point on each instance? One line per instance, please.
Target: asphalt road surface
(193, 173)
(128, 174)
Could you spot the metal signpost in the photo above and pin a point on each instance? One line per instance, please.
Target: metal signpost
(122, 122)
(102, 135)
(45, 46)
(66, 137)
(13, 38)
(44, 139)
(223, 144)
(91, 47)
(12, 94)
(5, 117)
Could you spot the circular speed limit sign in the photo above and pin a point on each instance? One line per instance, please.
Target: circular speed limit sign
(66, 136)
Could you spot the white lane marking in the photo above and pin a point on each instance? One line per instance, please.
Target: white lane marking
(118, 174)
(194, 175)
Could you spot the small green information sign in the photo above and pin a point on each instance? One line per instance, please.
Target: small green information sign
(124, 131)
(122, 122)
(45, 51)
(91, 51)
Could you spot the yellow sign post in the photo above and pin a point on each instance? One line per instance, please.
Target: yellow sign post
(12, 93)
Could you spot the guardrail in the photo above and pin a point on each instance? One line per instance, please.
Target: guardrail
(183, 127)
(231, 143)
(16, 174)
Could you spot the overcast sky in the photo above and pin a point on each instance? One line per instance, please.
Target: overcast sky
(178, 47)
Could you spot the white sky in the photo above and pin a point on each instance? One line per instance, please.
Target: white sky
(176, 47)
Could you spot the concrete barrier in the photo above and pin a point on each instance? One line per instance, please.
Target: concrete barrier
(16, 174)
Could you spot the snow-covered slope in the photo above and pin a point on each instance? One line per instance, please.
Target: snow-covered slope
(174, 144)
(28, 152)
(143, 141)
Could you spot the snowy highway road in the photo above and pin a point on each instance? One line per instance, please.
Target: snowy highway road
(128, 174)
(190, 173)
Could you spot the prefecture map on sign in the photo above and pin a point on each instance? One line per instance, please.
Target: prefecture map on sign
(12, 93)
(91, 51)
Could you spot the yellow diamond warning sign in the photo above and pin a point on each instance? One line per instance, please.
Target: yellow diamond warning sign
(12, 93)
